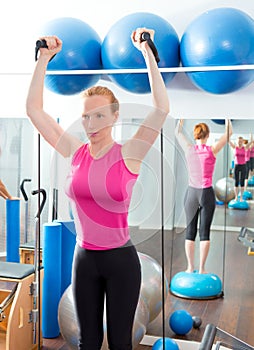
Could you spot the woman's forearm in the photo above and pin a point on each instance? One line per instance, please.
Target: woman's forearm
(35, 93)
(158, 89)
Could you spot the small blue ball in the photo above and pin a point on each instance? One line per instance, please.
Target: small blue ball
(181, 322)
(170, 344)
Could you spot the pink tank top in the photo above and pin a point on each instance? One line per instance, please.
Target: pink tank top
(239, 155)
(100, 192)
(200, 163)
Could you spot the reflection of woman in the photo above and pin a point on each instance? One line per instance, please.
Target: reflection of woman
(3, 190)
(239, 165)
(200, 197)
(247, 162)
(252, 158)
(100, 184)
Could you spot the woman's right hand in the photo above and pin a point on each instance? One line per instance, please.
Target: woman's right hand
(54, 46)
(137, 41)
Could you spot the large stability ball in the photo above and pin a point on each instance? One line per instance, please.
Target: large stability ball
(196, 285)
(224, 189)
(151, 285)
(118, 51)
(81, 50)
(219, 37)
(149, 305)
(69, 328)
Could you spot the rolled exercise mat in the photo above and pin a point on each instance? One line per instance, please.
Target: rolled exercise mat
(12, 230)
(68, 243)
(51, 288)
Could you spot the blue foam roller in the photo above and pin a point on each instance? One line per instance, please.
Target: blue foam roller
(196, 285)
(241, 205)
(12, 230)
(67, 249)
(51, 288)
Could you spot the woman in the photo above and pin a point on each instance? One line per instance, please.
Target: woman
(247, 146)
(200, 197)
(3, 190)
(252, 158)
(99, 185)
(240, 168)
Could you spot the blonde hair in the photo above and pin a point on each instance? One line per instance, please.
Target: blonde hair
(201, 131)
(102, 91)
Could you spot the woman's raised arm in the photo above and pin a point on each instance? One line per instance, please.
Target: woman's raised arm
(47, 126)
(137, 147)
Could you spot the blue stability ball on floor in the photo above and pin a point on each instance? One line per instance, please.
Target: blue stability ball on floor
(247, 195)
(181, 322)
(118, 51)
(170, 344)
(196, 286)
(241, 205)
(81, 50)
(251, 182)
(218, 37)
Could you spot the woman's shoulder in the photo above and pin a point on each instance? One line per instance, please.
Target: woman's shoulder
(80, 151)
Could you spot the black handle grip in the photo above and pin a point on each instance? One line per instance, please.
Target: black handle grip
(22, 189)
(41, 43)
(44, 197)
(145, 36)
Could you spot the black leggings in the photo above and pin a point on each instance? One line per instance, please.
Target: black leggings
(251, 163)
(116, 274)
(239, 173)
(199, 202)
(247, 170)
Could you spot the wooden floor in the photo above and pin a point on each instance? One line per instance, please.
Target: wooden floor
(228, 258)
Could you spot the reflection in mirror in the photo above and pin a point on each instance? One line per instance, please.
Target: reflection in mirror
(224, 218)
(18, 162)
(207, 159)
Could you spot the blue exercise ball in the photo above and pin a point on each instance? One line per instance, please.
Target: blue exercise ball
(237, 204)
(181, 322)
(81, 50)
(219, 37)
(118, 52)
(219, 121)
(170, 344)
(196, 285)
(251, 182)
